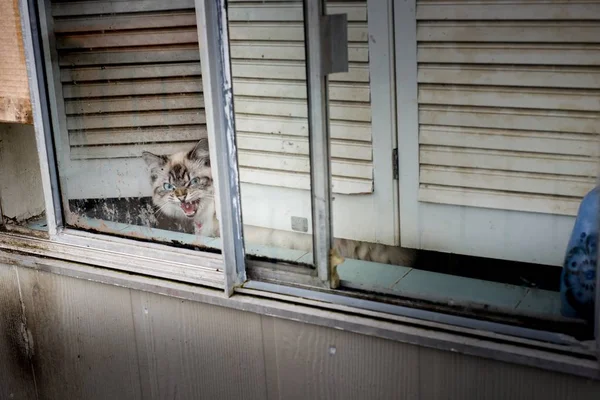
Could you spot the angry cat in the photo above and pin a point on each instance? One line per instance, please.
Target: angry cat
(182, 187)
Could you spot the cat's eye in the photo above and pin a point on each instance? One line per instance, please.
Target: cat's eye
(168, 186)
(199, 181)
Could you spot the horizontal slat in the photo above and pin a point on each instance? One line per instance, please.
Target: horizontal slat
(251, 159)
(151, 87)
(555, 185)
(550, 32)
(291, 11)
(299, 145)
(292, 180)
(111, 105)
(512, 140)
(131, 136)
(130, 72)
(548, 99)
(357, 52)
(507, 118)
(292, 70)
(292, 31)
(104, 23)
(301, 163)
(532, 76)
(179, 53)
(507, 10)
(133, 120)
(60, 9)
(358, 92)
(509, 53)
(299, 126)
(298, 108)
(126, 39)
(509, 161)
(127, 151)
(500, 200)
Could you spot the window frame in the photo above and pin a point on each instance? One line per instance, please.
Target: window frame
(120, 255)
(108, 251)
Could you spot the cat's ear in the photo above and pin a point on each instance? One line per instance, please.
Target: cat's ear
(153, 161)
(200, 152)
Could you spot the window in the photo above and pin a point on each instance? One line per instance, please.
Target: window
(361, 154)
(111, 81)
(464, 155)
(129, 93)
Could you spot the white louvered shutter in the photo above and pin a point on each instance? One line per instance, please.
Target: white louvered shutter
(509, 102)
(269, 84)
(130, 75)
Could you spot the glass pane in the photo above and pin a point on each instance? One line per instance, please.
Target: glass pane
(497, 173)
(130, 127)
(270, 98)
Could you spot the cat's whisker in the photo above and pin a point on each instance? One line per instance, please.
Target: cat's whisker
(159, 210)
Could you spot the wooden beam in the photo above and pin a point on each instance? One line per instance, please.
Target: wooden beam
(15, 105)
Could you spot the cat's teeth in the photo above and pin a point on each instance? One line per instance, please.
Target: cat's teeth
(187, 207)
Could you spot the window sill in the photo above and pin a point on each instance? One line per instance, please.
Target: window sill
(76, 261)
(119, 254)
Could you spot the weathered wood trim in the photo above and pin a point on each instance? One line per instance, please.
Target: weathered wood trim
(15, 105)
(15, 110)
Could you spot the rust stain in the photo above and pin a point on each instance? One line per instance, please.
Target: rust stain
(19, 32)
(15, 110)
(15, 105)
(17, 336)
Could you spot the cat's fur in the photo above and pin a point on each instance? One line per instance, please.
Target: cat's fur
(181, 168)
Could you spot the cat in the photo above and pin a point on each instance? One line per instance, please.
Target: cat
(183, 189)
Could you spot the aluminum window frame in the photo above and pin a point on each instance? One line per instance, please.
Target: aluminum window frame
(127, 254)
(121, 254)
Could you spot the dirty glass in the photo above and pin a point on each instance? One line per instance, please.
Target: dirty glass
(270, 100)
(490, 205)
(129, 121)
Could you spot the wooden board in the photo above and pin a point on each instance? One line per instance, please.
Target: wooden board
(15, 105)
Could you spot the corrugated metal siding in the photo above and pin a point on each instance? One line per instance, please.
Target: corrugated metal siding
(509, 95)
(96, 341)
(268, 57)
(131, 74)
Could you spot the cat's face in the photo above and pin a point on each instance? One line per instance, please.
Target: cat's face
(182, 183)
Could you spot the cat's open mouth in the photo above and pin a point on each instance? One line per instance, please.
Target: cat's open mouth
(190, 208)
